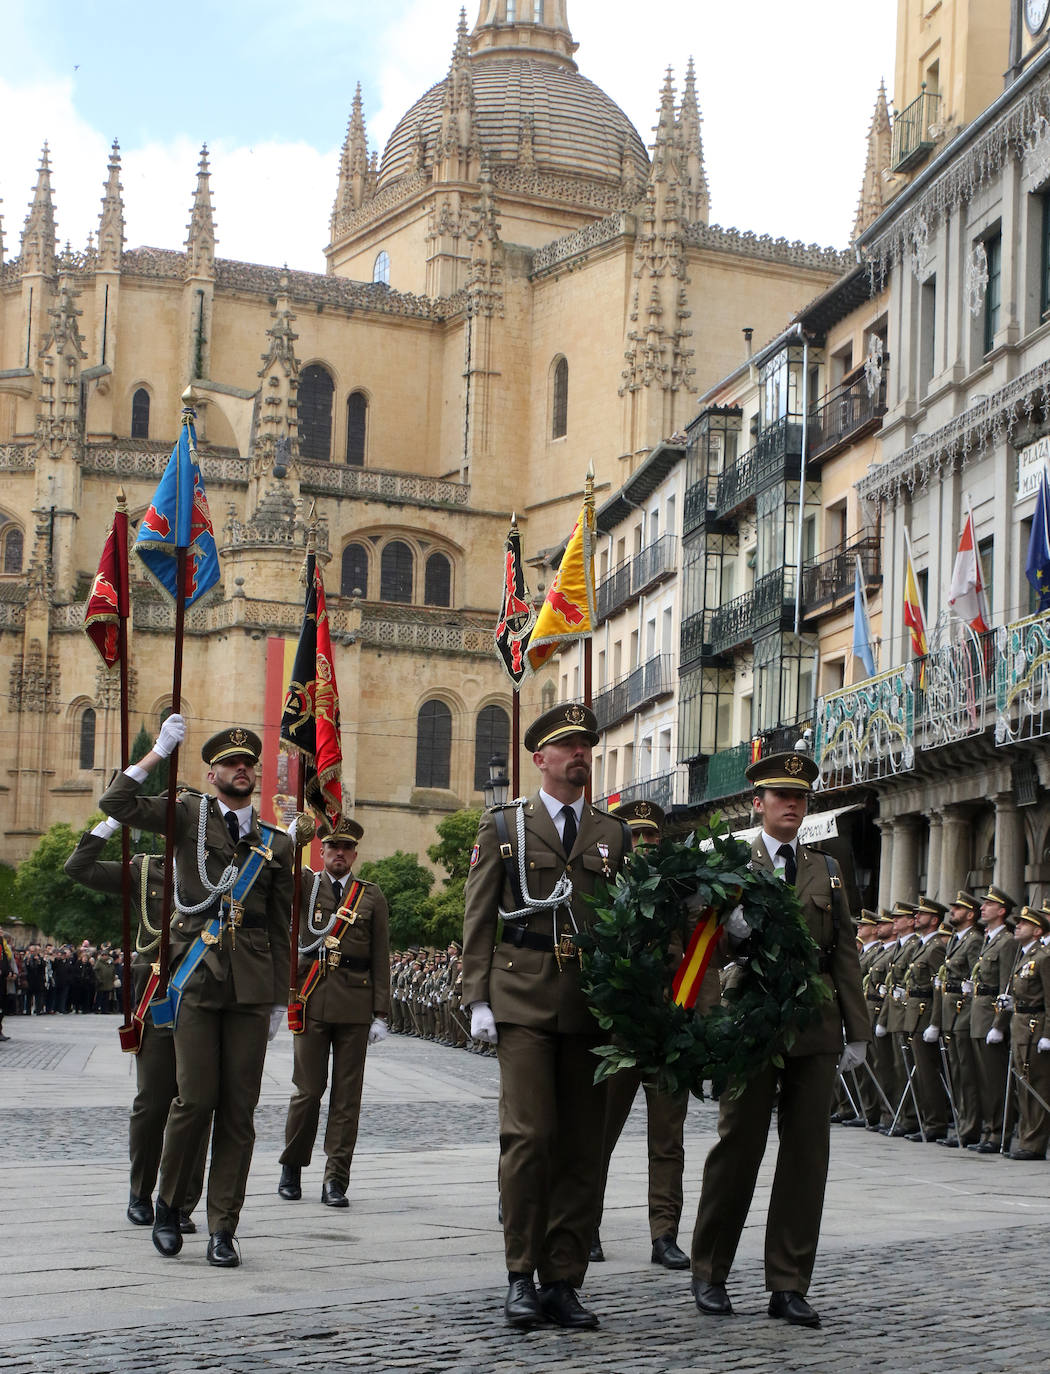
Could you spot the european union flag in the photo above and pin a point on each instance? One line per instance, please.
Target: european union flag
(1037, 566)
(178, 518)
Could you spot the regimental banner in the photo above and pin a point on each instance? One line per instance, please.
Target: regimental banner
(108, 601)
(179, 518)
(516, 617)
(568, 610)
(310, 719)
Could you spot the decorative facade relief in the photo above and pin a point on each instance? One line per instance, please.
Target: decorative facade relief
(34, 686)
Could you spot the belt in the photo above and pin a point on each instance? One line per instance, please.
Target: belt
(985, 990)
(921, 992)
(527, 939)
(356, 965)
(1028, 1009)
(876, 999)
(953, 987)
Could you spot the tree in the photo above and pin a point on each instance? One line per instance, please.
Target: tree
(455, 843)
(65, 910)
(154, 785)
(405, 884)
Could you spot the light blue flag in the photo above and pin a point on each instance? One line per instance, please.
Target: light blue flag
(178, 518)
(861, 629)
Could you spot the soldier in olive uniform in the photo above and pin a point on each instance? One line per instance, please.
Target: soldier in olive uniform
(876, 990)
(236, 995)
(951, 1018)
(919, 978)
(1030, 991)
(893, 1015)
(156, 1086)
(862, 1087)
(989, 1022)
(801, 1089)
(344, 983)
(524, 993)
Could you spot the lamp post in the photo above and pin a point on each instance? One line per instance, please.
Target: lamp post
(497, 789)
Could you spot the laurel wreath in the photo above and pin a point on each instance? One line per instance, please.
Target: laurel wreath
(633, 948)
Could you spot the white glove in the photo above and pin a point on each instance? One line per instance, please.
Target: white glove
(483, 1024)
(277, 1016)
(931, 1034)
(880, 1031)
(1044, 1045)
(853, 1056)
(693, 904)
(377, 1031)
(994, 1037)
(1004, 1002)
(172, 733)
(106, 828)
(738, 926)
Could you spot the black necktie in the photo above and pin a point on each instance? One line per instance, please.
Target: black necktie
(338, 893)
(786, 853)
(568, 834)
(233, 825)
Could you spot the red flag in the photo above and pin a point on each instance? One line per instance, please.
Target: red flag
(310, 720)
(966, 594)
(108, 601)
(516, 614)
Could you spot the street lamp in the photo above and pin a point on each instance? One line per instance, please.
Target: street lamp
(497, 788)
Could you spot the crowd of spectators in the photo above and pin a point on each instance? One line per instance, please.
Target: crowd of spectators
(59, 980)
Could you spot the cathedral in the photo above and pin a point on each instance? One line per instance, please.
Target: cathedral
(516, 287)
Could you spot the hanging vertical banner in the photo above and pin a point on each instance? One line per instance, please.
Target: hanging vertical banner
(516, 615)
(310, 720)
(568, 612)
(108, 600)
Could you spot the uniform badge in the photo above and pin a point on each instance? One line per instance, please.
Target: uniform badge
(475, 854)
(603, 850)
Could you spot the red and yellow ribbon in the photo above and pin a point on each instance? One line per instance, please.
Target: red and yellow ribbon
(690, 975)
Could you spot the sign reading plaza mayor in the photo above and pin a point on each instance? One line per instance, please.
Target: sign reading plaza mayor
(1030, 462)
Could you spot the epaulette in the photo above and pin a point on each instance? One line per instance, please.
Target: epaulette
(507, 805)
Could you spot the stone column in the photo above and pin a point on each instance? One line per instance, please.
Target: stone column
(885, 863)
(904, 882)
(956, 852)
(934, 855)
(1009, 847)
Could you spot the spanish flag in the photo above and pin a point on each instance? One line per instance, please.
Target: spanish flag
(914, 617)
(568, 611)
(686, 984)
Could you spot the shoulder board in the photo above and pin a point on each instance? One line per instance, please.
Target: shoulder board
(182, 791)
(509, 805)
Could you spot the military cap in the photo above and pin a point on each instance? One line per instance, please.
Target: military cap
(996, 894)
(1036, 916)
(945, 928)
(570, 718)
(903, 909)
(884, 915)
(639, 815)
(966, 899)
(791, 772)
(929, 905)
(233, 743)
(455, 944)
(868, 918)
(345, 831)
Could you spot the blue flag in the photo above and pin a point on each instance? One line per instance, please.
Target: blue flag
(1037, 565)
(179, 518)
(861, 629)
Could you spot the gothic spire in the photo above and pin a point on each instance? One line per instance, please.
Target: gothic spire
(111, 220)
(458, 145)
(38, 236)
(696, 202)
(663, 145)
(873, 196)
(356, 182)
(200, 241)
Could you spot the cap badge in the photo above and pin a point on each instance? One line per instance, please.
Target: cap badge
(793, 765)
(238, 736)
(574, 715)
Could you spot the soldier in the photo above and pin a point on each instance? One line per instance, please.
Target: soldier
(893, 1015)
(801, 1089)
(875, 993)
(924, 968)
(862, 1085)
(524, 995)
(229, 985)
(1030, 991)
(156, 1086)
(989, 1022)
(951, 1018)
(344, 989)
(665, 1112)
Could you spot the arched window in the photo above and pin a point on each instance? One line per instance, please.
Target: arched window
(491, 736)
(560, 409)
(381, 269)
(395, 572)
(433, 744)
(140, 414)
(87, 739)
(356, 427)
(353, 579)
(437, 589)
(547, 696)
(13, 543)
(315, 412)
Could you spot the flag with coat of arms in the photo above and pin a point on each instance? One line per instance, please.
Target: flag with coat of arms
(178, 518)
(568, 612)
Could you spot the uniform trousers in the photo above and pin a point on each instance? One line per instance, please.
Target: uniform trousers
(885, 1067)
(551, 1129)
(908, 1117)
(1033, 1119)
(962, 1064)
(933, 1101)
(666, 1115)
(156, 1089)
(796, 1201)
(219, 1054)
(992, 1063)
(347, 1043)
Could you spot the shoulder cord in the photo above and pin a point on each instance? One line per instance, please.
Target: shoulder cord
(309, 949)
(561, 896)
(219, 889)
(149, 947)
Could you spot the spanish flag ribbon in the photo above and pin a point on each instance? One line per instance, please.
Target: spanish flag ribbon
(686, 984)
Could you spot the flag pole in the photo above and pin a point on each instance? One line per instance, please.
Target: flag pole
(123, 611)
(588, 560)
(188, 416)
(300, 796)
(515, 740)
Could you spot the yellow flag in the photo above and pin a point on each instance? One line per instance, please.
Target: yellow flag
(568, 611)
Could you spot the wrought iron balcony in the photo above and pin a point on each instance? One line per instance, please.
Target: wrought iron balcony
(659, 789)
(695, 639)
(642, 685)
(847, 413)
(776, 454)
(774, 600)
(912, 137)
(701, 500)
(637, 575)
(733, 623)
(697, 782)
(835, 574)
(736, 485)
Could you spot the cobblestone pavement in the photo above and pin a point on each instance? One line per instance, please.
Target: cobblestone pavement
(930, 1260)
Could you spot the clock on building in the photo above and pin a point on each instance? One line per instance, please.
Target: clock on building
(1035, 12)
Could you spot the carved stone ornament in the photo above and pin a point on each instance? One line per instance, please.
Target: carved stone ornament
(976, 280)
(873, 365)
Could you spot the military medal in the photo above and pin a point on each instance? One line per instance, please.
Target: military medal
(603, 850)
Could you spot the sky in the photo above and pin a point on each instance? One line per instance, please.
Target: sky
(786, 93)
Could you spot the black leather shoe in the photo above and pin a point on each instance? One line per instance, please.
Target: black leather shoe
(222, 1250)
(712, 1298)
(859, 1121)
(667, 1253)
(596, 1254)
(987, 1147)
(899, 1132)
(332, 1195)
(1025, 1154)
(793, 1308)
(920, 1139)
(290, 1186)
(559, 1304)
(166, 1234)
(949, 1142)
(522, 1306)
(140, 1211)
(187, 1225)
